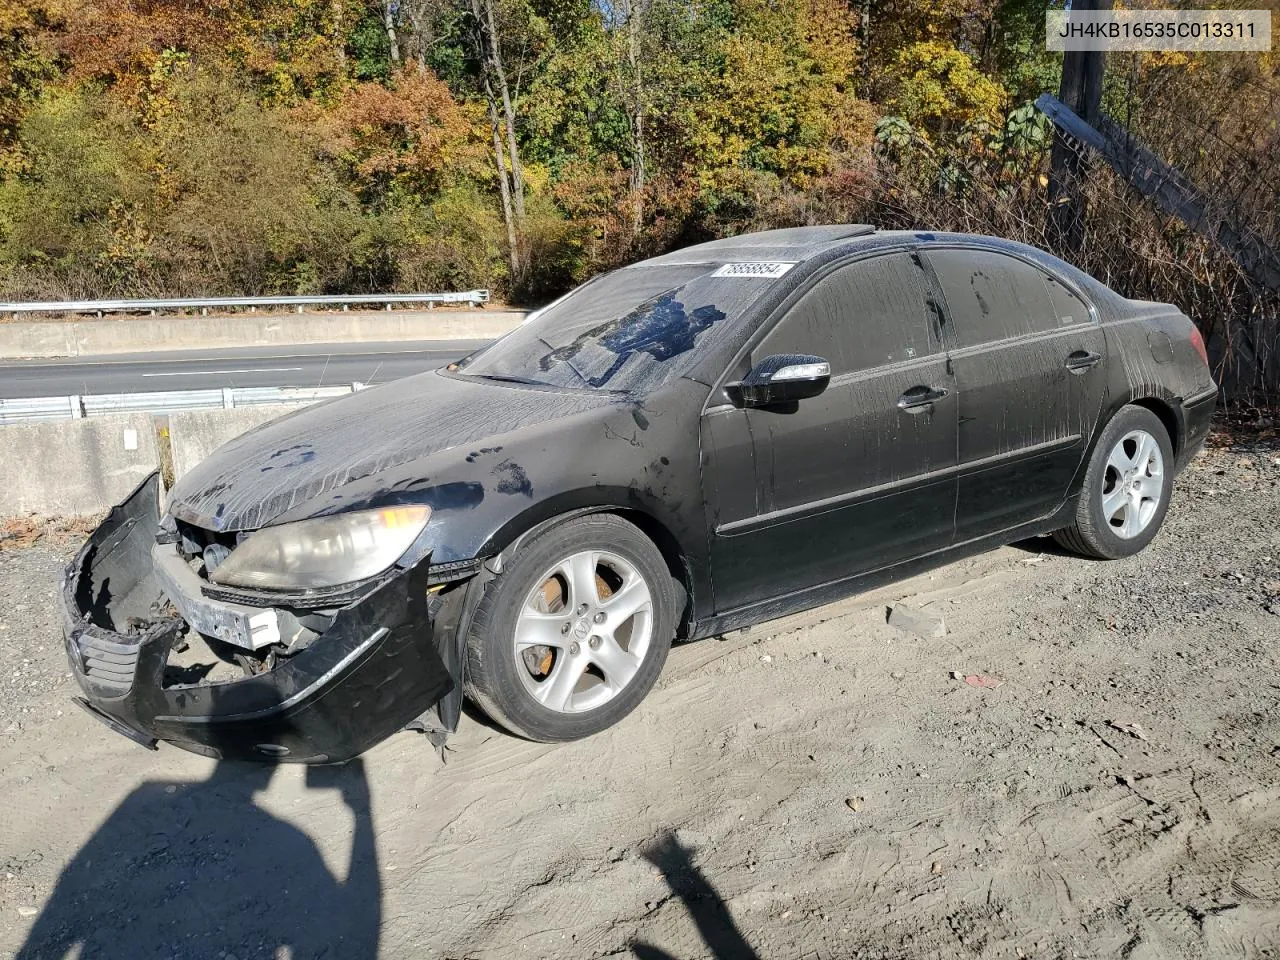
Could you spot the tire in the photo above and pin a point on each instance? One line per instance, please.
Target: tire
(615, 659)
(1111, 523)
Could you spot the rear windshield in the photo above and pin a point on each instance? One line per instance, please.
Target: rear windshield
(631, 330)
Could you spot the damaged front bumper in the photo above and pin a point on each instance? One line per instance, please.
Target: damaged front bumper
(386, 659)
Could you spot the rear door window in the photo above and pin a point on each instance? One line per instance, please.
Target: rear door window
(862, 316)
(992, 297)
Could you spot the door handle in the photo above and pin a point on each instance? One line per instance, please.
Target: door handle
(920, 399)
(1082, 360)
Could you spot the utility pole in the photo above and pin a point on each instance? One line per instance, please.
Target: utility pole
(1081, 90)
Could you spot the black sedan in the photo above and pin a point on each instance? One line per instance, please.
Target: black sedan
(702, 441)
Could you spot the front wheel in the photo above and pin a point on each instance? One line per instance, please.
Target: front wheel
(1126, 488)
(572, 635)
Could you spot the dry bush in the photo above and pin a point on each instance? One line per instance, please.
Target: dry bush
(17, 533)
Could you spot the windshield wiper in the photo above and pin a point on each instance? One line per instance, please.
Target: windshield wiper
(567, 362)
(509, 378)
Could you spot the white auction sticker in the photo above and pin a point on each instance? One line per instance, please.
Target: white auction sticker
(758, 271)
(1158, 30)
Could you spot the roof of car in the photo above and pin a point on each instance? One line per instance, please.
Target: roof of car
(797, 244)
(791, 243)
(800, 244)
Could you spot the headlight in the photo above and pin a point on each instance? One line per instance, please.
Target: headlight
(323, 552)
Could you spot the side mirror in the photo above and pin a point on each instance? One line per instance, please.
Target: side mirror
(785, 378)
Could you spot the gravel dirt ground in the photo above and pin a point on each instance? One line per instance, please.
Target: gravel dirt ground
(1087, 765)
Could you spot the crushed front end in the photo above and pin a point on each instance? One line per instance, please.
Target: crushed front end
(162, 654)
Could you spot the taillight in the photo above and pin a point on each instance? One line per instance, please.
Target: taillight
(1197, 341)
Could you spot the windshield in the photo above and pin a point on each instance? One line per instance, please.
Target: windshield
(631, 330)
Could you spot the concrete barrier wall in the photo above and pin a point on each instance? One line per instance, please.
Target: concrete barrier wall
(74, 467)
(194, 434)
(77, 467)
(74, 338)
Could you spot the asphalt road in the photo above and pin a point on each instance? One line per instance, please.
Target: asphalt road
(271, 366)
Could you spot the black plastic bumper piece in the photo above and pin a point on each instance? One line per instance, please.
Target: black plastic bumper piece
(1196, 414)
(373, 671)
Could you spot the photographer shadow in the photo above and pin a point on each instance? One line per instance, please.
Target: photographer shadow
(201, 870)
(705, 905)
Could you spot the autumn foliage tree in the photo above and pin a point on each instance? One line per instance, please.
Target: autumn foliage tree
(236, 146)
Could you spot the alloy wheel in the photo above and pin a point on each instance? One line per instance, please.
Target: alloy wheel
(1132, 484)
(583, 631)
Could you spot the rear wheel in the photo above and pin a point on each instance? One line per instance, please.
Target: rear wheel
(1126, 488)
(572, 635)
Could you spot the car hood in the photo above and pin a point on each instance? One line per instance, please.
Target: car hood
(271, 470)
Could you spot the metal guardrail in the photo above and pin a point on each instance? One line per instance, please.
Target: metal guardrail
(169, 401)
(99, 307)
(40, 408)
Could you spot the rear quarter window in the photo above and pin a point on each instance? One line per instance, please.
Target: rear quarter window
(1068, 309)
